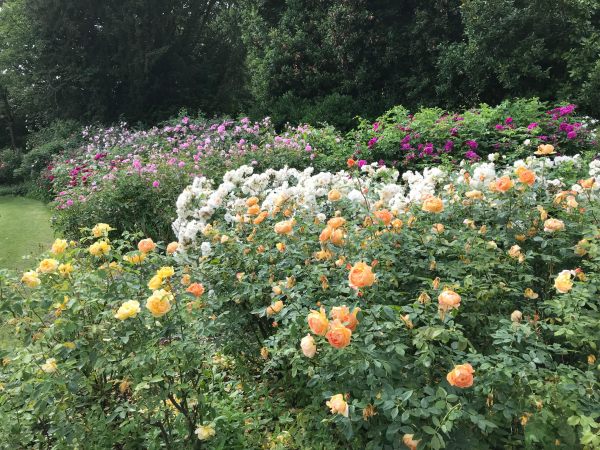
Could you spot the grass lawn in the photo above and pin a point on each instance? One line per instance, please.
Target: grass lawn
(25, 231)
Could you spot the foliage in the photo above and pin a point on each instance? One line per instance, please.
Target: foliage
(512, 128)
(500, 240)
(132, 178)
(80, 377)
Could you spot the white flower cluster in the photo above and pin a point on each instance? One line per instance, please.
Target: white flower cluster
(199, 204)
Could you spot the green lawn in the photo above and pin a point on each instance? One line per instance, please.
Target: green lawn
(25, 231)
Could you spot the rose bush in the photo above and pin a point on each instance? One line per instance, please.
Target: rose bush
(103, 361)
(473, 291)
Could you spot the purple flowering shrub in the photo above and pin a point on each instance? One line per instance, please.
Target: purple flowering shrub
(513, 129)
(131, 178)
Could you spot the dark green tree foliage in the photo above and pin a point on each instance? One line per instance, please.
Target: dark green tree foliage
(137, 59)
(342, 58)
(523, 48)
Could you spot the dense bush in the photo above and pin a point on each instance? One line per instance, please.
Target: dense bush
(459, 310)
(89, 372)
(513, 128)
(132, 178)
(497, 268)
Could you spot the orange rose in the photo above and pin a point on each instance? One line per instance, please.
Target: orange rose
(146, 245)
(334, 195)
(317, 322)
(325, 234)
(251, 201)
(526, 176)
(361, 275)
(503, 184)
(385, 216)
(350, 162)
(172, 248)
(433, 205)
(337, 237)
(196, 289)
(545, 149)
(259, 219)
(253, 210)
(338, 335)
(448, 300)
(336, 222)
(342, 313)
(284, 227)
(587, 184)
(461, 376)
(274, 308)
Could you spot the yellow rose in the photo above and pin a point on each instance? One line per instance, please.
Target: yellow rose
(474, 195)
(65, 269)
(99, 248)
(529, 293)
(101, 229)
(155, 282)
(136, 258)
(186, 279)
(545, 149)
(48, 266)
(433, 205)
(172, 248)
(205, 432)
(59, 246)
(159, 303)
(563, 283)
(165, 272)
(336, 222)
(515, 251)
(50, 366)
(30, 279)
(338, 405)
(128, 310)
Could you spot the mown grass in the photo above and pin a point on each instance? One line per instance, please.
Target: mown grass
(25, 232)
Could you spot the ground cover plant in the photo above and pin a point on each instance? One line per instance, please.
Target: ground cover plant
(446, 308)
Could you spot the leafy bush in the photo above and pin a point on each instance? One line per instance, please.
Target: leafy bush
(10, 159)
(491, 267)
(512, 128)
(87, 371)
(132, 178)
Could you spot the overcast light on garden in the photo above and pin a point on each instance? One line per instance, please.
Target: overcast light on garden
(300, 224)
